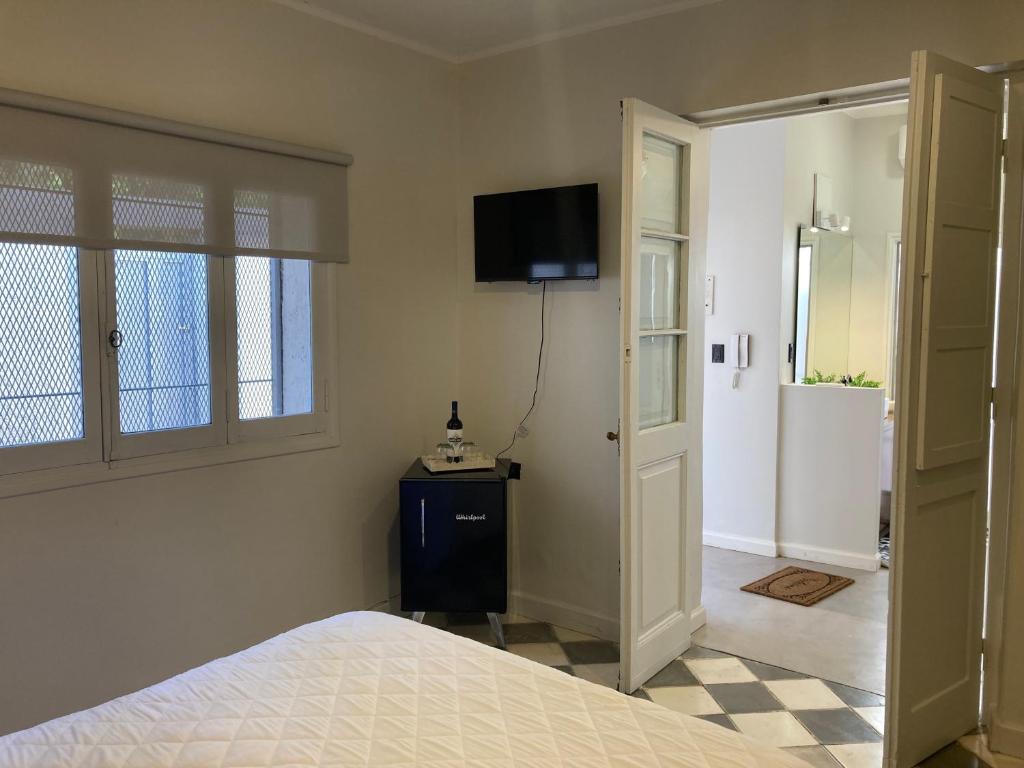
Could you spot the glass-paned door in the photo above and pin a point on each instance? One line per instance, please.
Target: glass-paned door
(664, 223)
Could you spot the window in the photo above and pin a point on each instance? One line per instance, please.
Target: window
(275, 337)
(163, 292)
(200, 351)
(49, 403)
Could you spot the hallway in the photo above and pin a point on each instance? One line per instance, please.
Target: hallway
(842, 638)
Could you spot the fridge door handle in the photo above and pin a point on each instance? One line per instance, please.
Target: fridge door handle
(423, 528)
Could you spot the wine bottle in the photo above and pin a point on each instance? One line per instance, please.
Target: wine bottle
(455, 434)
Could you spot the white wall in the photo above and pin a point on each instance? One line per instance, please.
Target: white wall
(877, 212)
(830, 442)
(108, 588)
(745, 242)
(819, 143)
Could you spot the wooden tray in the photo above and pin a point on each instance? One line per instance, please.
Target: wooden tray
(437, 464)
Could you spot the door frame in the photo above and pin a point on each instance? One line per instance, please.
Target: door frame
(1010, 336)
(1010, 313)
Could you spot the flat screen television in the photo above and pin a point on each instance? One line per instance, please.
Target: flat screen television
(538, 234)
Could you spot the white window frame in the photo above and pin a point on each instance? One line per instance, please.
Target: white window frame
(247, 430)
(127, 446)
(89, 448)
(893, 246)
(104, 454)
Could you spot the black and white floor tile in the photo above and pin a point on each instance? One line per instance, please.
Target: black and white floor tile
(826, 724)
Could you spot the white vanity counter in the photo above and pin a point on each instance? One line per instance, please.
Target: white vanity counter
(830, 444)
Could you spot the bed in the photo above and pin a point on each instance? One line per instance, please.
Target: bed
(367, 688)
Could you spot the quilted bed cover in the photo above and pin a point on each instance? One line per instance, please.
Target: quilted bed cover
(369, 689)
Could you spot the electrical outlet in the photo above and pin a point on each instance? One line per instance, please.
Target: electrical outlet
(718, 353)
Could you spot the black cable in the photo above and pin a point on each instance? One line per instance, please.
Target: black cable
(536, 381)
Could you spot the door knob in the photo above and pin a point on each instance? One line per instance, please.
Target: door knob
(613, 436)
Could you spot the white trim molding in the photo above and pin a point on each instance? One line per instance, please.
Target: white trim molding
(565, 615)
(1006, 738)
(764, 547)
(698, 618)
(842, 558)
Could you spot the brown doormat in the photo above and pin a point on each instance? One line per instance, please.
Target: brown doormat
(798, 585)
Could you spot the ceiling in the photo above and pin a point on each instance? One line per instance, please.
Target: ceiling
(460, 30)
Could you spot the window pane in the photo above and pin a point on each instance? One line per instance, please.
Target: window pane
(40, 345)
(662, 360)
(275, 339)
(163, 364)
(659, 185)
(660, 273)
(803, 308)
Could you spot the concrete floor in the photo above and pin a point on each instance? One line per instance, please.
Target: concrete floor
(841, 639)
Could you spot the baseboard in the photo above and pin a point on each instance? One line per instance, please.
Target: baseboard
(565, 615)
(842, 558)
(1006, 738)
(765, 547)
(698, 618)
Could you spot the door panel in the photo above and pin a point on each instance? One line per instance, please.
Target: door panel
(950, 231)
(664, 215)
(662, 493)
(958, 289)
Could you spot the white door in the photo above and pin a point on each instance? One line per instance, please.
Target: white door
(943, 397)
(664, 221)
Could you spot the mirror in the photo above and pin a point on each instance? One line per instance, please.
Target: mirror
(844, 309)
(824, 282)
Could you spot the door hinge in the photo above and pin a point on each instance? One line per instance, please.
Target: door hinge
(992, 401)
(629, 353)
(1002, 148)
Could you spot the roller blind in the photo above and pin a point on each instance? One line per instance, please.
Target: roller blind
(78, 175)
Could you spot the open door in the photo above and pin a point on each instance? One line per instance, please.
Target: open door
(664, 222)
(943, 406)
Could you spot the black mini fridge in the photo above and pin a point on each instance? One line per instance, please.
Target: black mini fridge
(453, 540)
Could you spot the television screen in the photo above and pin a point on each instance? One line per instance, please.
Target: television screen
(539, 234)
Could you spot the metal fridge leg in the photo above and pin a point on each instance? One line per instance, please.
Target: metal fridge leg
(417, 616)
(499, 633)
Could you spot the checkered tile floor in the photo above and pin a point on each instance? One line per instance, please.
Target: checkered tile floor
(825, 723)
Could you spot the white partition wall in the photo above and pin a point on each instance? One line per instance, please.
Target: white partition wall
(830, 442)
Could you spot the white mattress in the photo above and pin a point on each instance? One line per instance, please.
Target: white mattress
(371, 689)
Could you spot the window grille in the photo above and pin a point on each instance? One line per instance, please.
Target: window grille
(163, 362)
(40, 345)
(275, 352)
